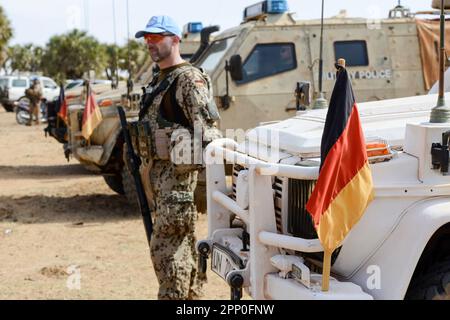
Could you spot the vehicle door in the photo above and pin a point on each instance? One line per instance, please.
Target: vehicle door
(18, 87)
(50, 89)
(266, 92)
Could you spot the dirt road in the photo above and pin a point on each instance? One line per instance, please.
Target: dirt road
(63, 233)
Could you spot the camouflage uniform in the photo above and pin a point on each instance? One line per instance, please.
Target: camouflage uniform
(34, 94)
(173, 243)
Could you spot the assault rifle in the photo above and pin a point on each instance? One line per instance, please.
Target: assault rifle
(134, 163)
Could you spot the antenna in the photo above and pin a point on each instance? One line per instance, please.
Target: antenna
(129, 82)
(441, 113)
(321, 102)
(115, 79)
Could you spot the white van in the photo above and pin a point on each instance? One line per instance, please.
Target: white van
(16, 85)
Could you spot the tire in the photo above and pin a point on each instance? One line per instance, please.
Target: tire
(115, 183)
(432, 285)
(22, 117)
(9, 107)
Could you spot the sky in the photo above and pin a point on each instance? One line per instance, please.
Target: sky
(35, 21)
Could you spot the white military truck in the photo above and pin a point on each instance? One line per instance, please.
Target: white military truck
(270, 52)
(400, 248)
(262, 239)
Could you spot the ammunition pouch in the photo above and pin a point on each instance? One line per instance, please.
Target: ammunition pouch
(140, 133)
(162, 143)
(148, 145)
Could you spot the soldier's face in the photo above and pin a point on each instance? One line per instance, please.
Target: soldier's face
(160, 48)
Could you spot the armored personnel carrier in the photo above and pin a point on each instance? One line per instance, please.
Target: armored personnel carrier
(255, 67)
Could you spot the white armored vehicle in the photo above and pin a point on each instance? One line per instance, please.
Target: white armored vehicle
(262, 239)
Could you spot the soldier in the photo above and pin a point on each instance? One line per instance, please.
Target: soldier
(34, 94)
(178, 104)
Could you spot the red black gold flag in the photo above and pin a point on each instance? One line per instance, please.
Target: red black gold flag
(92, 115)
(63, 108)
(344, 188)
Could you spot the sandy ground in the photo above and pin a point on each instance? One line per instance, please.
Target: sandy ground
(59, 223)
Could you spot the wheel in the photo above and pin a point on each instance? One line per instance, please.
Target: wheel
(434, 284)
(129, 188)
(115, 183)
(22, 113)
(9, 107)
(22, 117)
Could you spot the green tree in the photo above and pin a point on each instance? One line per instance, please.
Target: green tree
(72, 55)
(6, 34)
(112, 60)
(136, 57)
(25, 58)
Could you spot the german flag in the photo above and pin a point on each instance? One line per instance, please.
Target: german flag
(63, 108)
(344, 188)
(92, 115)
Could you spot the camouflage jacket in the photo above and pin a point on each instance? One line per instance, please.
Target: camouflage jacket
(194, 96)
(34, 94)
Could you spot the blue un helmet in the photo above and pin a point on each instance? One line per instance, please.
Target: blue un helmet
(160, 24)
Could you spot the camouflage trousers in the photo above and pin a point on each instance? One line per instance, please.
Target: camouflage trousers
(174, 257)
(34, 113)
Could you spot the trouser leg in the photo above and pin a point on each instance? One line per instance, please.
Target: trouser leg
(174, 256)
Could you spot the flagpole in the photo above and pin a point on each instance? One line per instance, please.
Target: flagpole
(326, 270)
(88, 93)
(326, 273)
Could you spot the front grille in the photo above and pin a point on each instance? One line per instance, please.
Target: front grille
(300, 222)
(236, 169)
(278, 203)
(277, 195)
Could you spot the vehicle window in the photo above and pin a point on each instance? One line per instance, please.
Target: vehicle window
(19, 83)
(215, 53)
(48, 84)
(269, 59)
(73, 85)
(354, 52)
(187, 57)
(3, 83)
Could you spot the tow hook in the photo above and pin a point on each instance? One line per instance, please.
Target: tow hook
(204, 250)
(236, 282)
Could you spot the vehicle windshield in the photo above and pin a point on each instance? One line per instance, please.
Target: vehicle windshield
(214, 54)
(73, 85)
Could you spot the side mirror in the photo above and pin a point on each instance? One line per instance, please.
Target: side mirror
(303, 95)
(236, 68)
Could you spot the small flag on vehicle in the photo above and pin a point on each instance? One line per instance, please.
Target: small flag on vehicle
(344, 188)
(92, 115)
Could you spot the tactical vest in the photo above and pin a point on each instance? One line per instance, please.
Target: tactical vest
(152, 133)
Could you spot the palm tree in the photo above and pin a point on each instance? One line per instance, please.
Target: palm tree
(6, 34)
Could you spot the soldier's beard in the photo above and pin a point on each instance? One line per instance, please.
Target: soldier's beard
(160, 54)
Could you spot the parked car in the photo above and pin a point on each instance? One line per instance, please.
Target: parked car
(74, 84)
(13, 88)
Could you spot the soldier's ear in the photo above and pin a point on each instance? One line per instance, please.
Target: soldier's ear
(176, 40)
